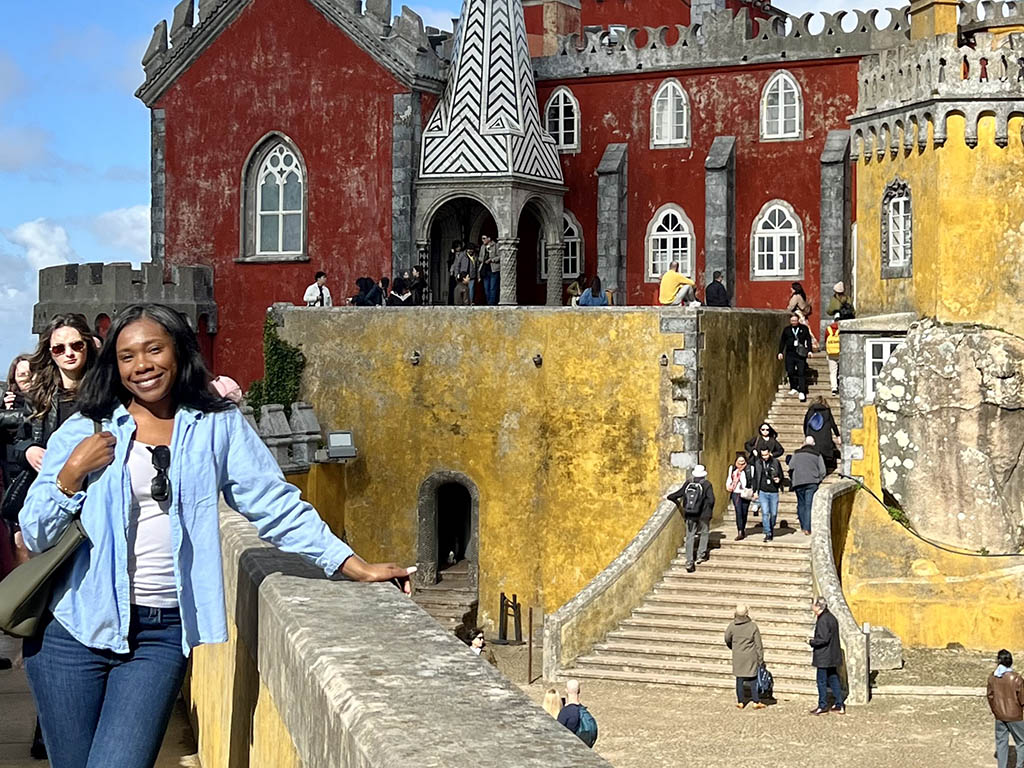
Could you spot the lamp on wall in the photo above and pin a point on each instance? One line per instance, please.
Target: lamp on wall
(340, 447)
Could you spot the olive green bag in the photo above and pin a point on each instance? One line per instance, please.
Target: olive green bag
(25, 592)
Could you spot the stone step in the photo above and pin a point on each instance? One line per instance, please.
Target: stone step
(763, 616)
(738, 592)
(776, 551)
(789, 544)
(673, 651)
(783, 687)
(768, 557)
(794, 673)
(716, 626)
(445, 598)
(697, 638)
(739, 566)
(710, 601)
(726, 580)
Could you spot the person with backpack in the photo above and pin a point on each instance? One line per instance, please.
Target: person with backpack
(807, 471)
(696, 498)
(795, 348)
(840, 304)
(743, 638)
(832, 352)
(576, 717)
(765, 477)
(821, 425)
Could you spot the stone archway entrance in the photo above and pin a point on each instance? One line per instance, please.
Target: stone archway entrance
(462, 219)
(448, 515)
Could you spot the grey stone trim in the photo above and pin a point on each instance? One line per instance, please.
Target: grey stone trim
(426, 526)
(556, 263)
(308, 637)
(508, 250)
(182, 22)
(834, 253)
(700, 9)
(555, 623)
(994, 15)
(157, 185)
(612, 209)
(720, 212)
(405, 147)
(248, 201)
(720, 39)
(895, 189)
(853, 338)
(856, 644)
(404, 50)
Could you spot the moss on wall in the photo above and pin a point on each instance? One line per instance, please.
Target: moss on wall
(968, 229)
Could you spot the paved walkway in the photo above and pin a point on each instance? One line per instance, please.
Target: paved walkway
(18, 720)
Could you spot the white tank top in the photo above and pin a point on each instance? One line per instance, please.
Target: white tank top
(150, 555)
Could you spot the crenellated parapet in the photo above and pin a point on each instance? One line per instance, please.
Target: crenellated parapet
(105, 289)
(906, 95)
(415, 54)
(986, 14)
(723, 39)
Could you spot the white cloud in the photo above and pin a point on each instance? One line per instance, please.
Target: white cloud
(125, 228)
(12, 81)
(437, 17)
(22, 147)
(45, 244)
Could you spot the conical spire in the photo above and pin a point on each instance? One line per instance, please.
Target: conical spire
(488, 123)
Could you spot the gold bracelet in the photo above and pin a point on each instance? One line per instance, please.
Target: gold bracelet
(62, 489)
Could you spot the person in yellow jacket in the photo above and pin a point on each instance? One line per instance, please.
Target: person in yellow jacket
(832, 352)
(676, 288)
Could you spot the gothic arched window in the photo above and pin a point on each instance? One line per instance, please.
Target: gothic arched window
(782, 109)
(562, 115)
(897, 231)
(275, 207)
(669, 238)
(670, 116)
(777, 243)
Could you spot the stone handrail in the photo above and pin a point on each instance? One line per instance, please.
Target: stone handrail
(613, 593)
(358, 676)
(856, 644)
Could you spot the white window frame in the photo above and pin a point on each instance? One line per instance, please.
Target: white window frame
(560, 99)
(885, 346)
(897, 230)
(775, 129)
(670, 111)
(280, 151)
(687, 265)
(573, 249)
(615, 35)
(757, 233)
(255, 169)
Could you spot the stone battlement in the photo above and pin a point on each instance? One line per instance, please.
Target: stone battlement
(901, 91)
(416, 55)
(723, 39)
(95, 289)
(985, 14)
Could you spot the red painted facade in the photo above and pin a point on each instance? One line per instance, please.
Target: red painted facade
(723, 102)
(280, 66)
(635, 13)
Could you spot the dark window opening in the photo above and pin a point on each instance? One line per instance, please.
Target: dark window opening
(453, 525)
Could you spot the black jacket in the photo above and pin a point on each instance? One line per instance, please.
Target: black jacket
(823, 434)
(803, 338)
(765, 475)
(715, 295)
(827, 651)
(707, 507)
(417, 286)
(754, 445)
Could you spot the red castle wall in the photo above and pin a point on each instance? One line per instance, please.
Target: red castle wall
(280, 66)
(722, 102)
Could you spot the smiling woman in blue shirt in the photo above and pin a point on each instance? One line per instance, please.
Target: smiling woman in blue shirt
(147, 586)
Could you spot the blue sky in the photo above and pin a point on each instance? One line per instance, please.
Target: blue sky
(74, 140)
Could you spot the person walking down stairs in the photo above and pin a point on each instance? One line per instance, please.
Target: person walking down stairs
(795, 348)
(740, 492)
(765, 477)
(696, 498)
(806, 473)
(743, 638)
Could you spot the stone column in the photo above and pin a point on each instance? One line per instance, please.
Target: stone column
(612, 174)
(555, 254)
(405, 155)
(835, 220)
(720, 214)
(508, 249)
(423, 258)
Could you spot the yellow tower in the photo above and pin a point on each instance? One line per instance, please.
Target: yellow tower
(940, 169)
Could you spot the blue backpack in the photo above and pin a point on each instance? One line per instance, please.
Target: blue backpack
(765, 682)
(587, 729)
(817, 421)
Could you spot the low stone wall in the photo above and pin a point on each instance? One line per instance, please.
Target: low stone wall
(332, 674)
(826, 583)
(614, 592)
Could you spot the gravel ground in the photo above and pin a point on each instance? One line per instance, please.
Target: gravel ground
(940, 667)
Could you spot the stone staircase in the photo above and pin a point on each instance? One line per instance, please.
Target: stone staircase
(675, 636)
(452, 602)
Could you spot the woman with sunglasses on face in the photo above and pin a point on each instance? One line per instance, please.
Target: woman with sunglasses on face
(147, 586)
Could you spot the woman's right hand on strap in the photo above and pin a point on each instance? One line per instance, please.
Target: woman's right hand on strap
(94, 452)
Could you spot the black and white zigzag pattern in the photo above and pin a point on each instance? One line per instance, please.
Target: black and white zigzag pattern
(488, 122)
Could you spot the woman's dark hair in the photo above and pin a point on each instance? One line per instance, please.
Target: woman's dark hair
(820, 400)
(417, 270)
(384, 283)
(799, 290)
(595, 287)
(12, 383)
(46, 380)
(399, 286)
(102, 390)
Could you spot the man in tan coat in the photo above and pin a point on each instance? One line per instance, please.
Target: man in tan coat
(1006, 699)
(744, 639)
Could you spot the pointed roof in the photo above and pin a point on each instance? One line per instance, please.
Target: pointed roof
(488, 124)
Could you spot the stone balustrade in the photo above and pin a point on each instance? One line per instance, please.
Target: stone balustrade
(293, 441)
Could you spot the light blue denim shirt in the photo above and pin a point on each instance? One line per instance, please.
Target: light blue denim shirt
(211, 453)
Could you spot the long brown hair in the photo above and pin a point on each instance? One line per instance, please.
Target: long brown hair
(46, 380)
(12, 383)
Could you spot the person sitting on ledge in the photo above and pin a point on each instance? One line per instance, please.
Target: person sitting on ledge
(676, 288)
(716, 295)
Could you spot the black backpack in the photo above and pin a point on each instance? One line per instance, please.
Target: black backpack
(846, 311)
(693, 498)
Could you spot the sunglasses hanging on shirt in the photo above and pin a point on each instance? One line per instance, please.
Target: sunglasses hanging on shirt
(160, 488)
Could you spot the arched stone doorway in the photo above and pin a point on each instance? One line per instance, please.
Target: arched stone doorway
(448, 515)
(463, 219)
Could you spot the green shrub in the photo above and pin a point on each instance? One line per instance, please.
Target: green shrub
(282, 372)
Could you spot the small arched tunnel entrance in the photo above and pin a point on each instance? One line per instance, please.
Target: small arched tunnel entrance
(446, 548)
(461, 219)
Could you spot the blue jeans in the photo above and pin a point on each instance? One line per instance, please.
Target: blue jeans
(754, 695)
(472, 295)
(769, 510)
(804, 497)
(103, 709)
(492, 287)
(828, 677)
(1003, 731)
(742, 507)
